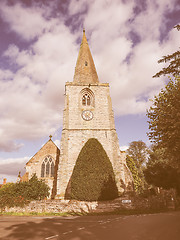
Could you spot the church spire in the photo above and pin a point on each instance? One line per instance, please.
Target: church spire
(85, 71)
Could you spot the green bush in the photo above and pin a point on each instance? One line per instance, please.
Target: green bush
(138, 184)
(19, 194)
(10, 197)
(93, 177)
(35, 189)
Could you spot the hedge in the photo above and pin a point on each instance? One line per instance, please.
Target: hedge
(93, 177)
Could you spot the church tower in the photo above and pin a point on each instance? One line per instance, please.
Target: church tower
(88, 114)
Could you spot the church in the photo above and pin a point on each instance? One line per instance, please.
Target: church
(87, 114)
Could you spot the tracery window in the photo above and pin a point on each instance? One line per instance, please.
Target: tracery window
(86, 100)
(47, 167)
(87, 97)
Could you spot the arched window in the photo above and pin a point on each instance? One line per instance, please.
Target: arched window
(47, 167)
(52, 169)
(87, 97)
(42, 169)
(86, 100)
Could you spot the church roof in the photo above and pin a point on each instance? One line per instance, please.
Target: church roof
(48, 148)
(85, 71)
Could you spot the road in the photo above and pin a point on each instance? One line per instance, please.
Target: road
(162, 226)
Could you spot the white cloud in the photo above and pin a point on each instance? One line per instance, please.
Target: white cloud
(28, 23)
(12, 166)
(32, 97)
(32, 102)
(6, 75)
(13, 160)
(131, 81)
(124, 148)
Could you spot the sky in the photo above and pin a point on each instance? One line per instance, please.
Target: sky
(39, 44)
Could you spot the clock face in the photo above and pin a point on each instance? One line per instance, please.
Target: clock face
(87, 115)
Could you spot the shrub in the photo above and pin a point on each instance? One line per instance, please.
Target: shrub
(19, 194)
(138, 183)
(9, 196)
(35, 189)
(93, 177)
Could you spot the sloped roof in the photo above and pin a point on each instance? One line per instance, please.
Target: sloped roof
(85, 71)
(43, 148)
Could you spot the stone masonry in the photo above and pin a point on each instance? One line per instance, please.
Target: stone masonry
(34, 165)
(100, 125)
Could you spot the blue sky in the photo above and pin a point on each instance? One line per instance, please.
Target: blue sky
(39, 44)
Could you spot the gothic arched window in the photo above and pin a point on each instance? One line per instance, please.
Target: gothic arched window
(87, 97)
(47, 167)
(86, 100)
(52, 169)
(42, 169)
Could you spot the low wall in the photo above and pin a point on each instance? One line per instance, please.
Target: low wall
(65, 206)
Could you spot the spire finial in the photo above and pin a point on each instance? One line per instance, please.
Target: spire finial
(83, 29)
(50, 136)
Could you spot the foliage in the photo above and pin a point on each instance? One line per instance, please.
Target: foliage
(174, 63)
(138, 185)
(161, 175)
(19, 194)
(164, 121)
(92, 178)
(35, 189)
(10, 197)
(139, 152)
(160, 172)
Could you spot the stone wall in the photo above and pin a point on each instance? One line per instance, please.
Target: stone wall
(76, 132)
(33, 166)
(70, 206)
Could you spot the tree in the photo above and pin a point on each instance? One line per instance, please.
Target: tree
(93, 177)
(138, 184)
(174, 63)
(164, 121)
(139, 152)
(162, 175)
(159, 172)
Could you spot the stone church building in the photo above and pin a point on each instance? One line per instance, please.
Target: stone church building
(87, 114)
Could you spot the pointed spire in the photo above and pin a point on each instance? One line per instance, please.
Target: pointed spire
(85, 71)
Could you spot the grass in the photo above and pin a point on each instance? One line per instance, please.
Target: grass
(66, 214)
(34, 214)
